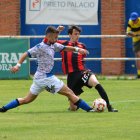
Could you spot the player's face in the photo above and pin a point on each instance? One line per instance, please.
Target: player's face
(135, 21)
(52, 37)
(74, 36)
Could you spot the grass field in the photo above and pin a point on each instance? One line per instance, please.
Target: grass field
(47, 117)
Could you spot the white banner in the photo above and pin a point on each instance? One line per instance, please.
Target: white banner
(80, 12)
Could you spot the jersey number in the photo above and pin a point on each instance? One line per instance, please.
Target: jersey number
(85, 77)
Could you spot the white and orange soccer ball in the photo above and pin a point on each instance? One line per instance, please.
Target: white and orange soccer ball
(99, 105)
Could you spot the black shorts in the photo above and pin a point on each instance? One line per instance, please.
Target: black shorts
(76, 80)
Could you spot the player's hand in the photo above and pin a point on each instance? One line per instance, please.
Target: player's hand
(83, 51)
(15, 69)
(60, 28)
(131, 34)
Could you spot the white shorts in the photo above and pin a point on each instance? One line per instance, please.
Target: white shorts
(51, 84)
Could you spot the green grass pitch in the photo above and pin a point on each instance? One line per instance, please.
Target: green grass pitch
(47, 117)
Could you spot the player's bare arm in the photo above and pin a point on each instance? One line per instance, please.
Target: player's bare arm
(16, 68)
(76, 49)
(131, 34)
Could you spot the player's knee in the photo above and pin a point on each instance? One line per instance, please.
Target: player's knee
(93, 82)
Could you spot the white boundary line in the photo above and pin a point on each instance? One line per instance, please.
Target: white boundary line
(124, 101)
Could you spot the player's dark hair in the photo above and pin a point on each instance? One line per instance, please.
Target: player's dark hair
(51, 29)
(72, 27)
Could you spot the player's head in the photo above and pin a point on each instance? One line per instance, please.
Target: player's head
(74, 32)
(134, 17)
(71, 28)
(51, 34)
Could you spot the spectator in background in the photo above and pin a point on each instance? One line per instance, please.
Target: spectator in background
(133, 30)
(77, 74)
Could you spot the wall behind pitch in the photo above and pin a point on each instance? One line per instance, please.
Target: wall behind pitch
(93, 45)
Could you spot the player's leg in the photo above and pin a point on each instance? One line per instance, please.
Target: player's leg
(55, 85)
(94, 83)
(76, 86)
(138, 64)
(74, 99)
(90, 81)
(31, 96)
(19, 101)
(72, 106)
(27, 99)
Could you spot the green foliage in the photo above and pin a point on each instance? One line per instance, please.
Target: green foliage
(47, 117)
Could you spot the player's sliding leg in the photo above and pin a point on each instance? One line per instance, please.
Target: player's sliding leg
(75, 99)
(20, 101)
(30, 97)
(10, 105)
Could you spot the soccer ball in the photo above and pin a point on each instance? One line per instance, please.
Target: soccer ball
(99, 105)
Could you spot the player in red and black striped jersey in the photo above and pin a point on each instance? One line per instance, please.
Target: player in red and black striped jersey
(77, 74)
(72, 62)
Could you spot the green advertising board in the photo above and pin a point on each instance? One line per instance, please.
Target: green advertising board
(10, 52)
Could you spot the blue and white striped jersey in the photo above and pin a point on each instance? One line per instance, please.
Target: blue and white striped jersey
(45, 57)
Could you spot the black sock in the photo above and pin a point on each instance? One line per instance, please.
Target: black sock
(102, 93)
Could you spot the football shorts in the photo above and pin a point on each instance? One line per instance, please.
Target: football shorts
(51, 84)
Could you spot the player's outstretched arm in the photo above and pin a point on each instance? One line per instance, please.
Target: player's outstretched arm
(16, 68)
(76, 49)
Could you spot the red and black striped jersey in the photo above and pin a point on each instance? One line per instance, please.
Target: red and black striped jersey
(72, 61)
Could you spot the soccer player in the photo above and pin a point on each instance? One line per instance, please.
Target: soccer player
(77, 74)
(133, 30)
(44, 78)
